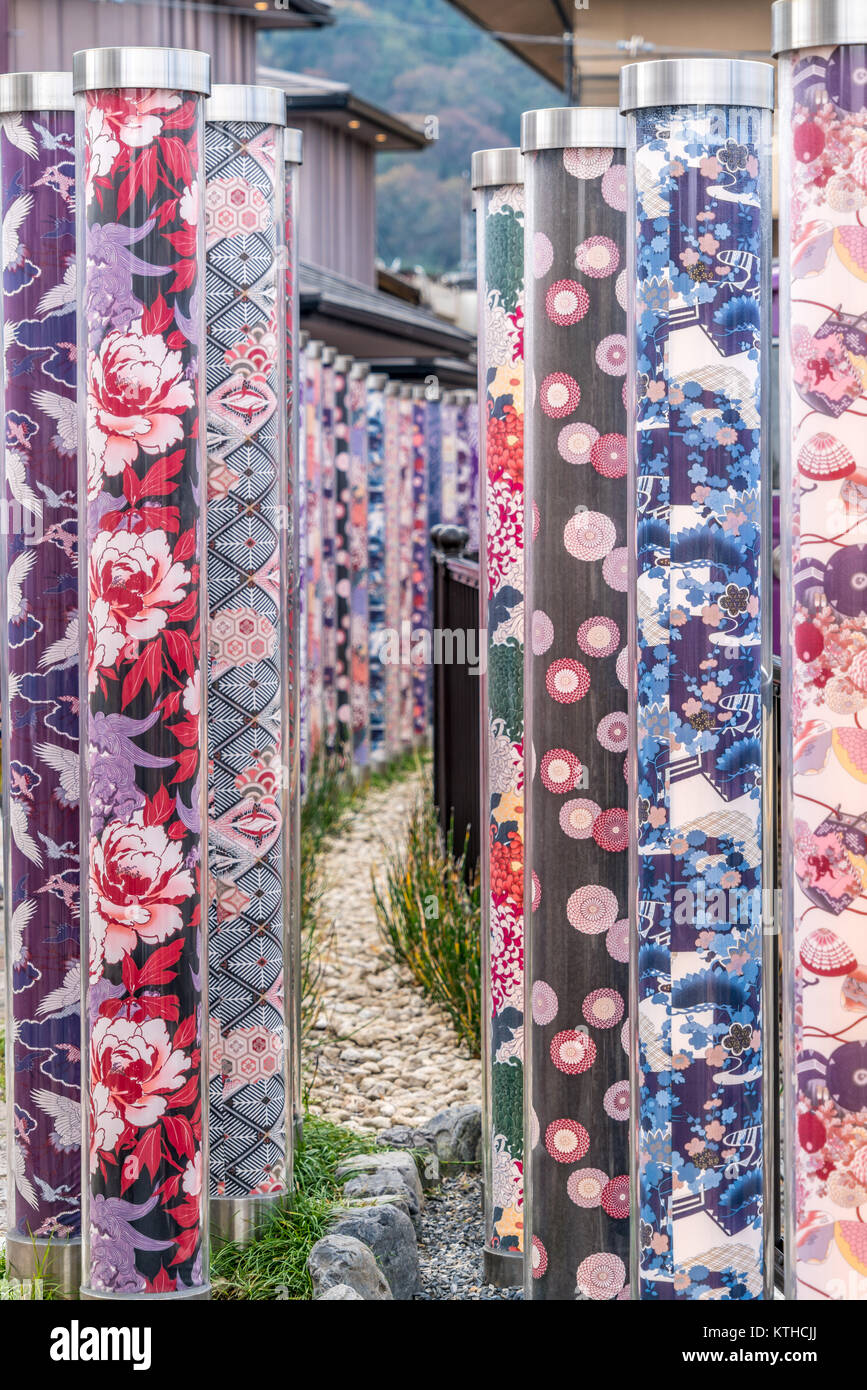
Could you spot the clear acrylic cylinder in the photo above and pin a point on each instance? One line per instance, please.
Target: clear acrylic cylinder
(391, 653)
(377, 565)
(357, 540)
(311, 558)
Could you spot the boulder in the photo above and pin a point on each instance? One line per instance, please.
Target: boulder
(455, 1135)
(339, 1258)
(388, 1234)
(338, 1293)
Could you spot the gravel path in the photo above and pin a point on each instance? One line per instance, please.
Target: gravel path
(450, 1246)
(381, 1054)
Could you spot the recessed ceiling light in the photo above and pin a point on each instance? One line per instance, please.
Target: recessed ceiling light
(355, 125)
(261, 5)
(381, 139)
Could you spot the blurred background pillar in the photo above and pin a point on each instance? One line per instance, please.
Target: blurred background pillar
(330, 375)
(342, 564)
(701, 777)
(40, 682)
(421, 577)
(448, 510)
(311, 559)
(393, 555)
(376, 566)
(405, 551)
(357, 537)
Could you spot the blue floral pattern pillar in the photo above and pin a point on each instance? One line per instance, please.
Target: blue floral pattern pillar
(700, 262)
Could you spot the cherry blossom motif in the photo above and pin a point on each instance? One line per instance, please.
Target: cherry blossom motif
(608, 456)
(614, 187)
(566, 302)
(543, 254)
(567, 681)
(541, 633)
(577, 817)
(587, 164)
(538, 1258)
(603, 1008)
(617, 941)
(613, 732)
(559, 395)
(592, 909)
(589, 535)
(560, 770)
(573, 1052)
(601, 1276)
(566, 1140)
(611, 355)
(597, 257)
(611, 829)
(615, 569)
(599, 636)
(545, 1003)
(575, 441)
(616, 1101)
(615, 1197)
(585, 1187)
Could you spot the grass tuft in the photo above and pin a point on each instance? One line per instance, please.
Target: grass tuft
(429, 916)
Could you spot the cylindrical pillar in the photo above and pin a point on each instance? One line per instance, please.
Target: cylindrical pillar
(699, 259)
(434, 445)
(422, 637)
(294, 618)
(575, 710)
(249, 791)
(467, 466)
(299, 401)
(342, 564)
(407, 473)
(311, 557)
(330, 380)
(140, 205)
(391, 651)
(498, 179)
(376, 566)
(40, 691)
(823, 317)
(357, 534)
(449, 458)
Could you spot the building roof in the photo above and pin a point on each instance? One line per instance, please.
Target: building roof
(376, 327)
(620, 31)
(294, 14)
(336, 104)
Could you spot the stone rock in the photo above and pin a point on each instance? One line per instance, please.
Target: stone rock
(391, 1161)
(390, 1238)
(386, 1182)
(340, 1258)
(455, 1134)
(426, 1161)
(338, 1293)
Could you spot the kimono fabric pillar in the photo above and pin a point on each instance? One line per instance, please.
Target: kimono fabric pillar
(357, 536)
(376, 566)
(823, 337)
(330, 375)
(700, 773)
(466, 504)
(311, 559)
(434, 444)
(498, 181)
(249, 796)
(40, 681)
(448, 458)
(140, 208)
(300, 474)
(575, 713)
(391, 650)
(293, 621)
(342, 564)
(407, 469)
(422, 637)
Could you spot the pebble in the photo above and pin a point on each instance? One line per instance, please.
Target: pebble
(451, 1237)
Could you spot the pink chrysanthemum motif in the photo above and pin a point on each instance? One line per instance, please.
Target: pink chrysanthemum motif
(577, 817)
(624, 1037)
(616, 1100)
(620, 289)
(543, 254)
(575, 441)
(560, 770)
(566, 302)
(615, 1197)
(566, 1140)
(537, 892)
(613, 732)
(614, 187)
(601, 1276)
(587, 164)
(603, 1008)
(545, 1003)
(611, 829)
(573, 1052)
(537, 519)
(608, 455)
(611, 355)
(857, 672)
(622, 667)
(585, 1186)
(597, 257)
(599, 636)
(567, 681)
(589, 535)
(615, 569)
(542, 632)
(592, 909)
(539, 1258)
(559, 395)
(617, 941)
